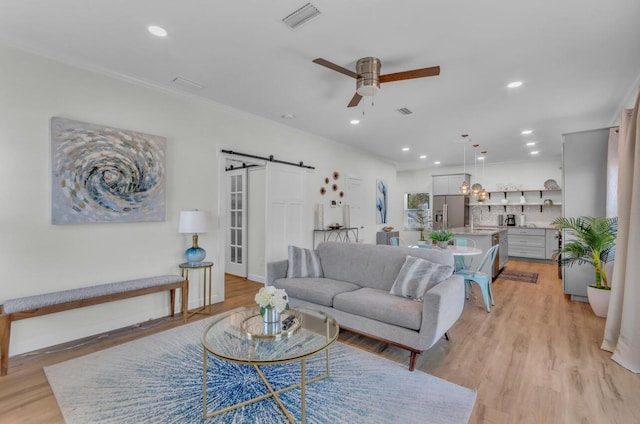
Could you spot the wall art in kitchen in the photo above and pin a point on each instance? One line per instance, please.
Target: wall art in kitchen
(381, 202)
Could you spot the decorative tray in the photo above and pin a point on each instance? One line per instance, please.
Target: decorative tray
(254, 327)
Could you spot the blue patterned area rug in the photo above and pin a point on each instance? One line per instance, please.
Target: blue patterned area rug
(158, 379)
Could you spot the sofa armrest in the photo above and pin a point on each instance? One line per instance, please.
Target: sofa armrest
(276, 270)
(442, 306)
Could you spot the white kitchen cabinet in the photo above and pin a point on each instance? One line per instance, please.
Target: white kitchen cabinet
(449, 183)
(528, 243)
(584, 183)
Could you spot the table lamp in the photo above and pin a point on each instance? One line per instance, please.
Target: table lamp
(193, 222)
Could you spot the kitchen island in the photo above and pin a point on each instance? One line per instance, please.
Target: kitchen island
(484, 238)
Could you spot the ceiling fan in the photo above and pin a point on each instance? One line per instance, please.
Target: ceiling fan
(368, 78)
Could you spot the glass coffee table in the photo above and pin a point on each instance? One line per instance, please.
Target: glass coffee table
(235, 338)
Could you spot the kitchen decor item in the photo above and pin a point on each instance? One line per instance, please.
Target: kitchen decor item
(523, 220)
(551, 185)
(511, 220)
(500, 220)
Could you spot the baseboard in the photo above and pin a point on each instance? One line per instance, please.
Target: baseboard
(257, 278)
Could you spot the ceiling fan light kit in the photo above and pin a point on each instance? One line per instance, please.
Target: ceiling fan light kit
(368, 70)
(368, 76)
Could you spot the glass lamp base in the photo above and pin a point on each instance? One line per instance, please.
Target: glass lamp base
(194, 255)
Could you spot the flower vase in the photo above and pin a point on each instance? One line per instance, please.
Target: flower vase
(271, 321)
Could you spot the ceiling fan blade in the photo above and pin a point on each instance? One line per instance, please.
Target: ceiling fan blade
(335, 67)
(355, 100)
(416, 73)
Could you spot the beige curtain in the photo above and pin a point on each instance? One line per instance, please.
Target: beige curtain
(622, 331)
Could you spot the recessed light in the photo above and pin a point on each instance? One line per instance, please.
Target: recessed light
(514, 84)
(531, 143)
(157, 31)
(288, 116)
(423, 156)
(354, 121)
(535, 152)
(436, 162)
(405, 149)
(526, 132)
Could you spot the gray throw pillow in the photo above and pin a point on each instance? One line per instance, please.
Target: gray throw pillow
(417, 276)
(304, 263)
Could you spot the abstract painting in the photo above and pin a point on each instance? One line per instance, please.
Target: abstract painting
(103, 174)
(381, 202)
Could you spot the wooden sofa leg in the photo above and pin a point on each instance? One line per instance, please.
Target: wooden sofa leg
(412, 360)
(446, 336)
(5, 334)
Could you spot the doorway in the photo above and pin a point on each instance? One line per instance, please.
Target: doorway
(236, 256)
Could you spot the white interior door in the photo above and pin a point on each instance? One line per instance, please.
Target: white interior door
(288, 212)
(355, 200)
(236, 257)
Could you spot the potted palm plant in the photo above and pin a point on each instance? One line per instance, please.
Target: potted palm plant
(593, 241)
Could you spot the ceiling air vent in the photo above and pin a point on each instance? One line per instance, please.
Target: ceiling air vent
(300, 16)
(404, 111)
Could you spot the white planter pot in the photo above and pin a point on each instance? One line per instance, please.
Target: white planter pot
(599, 301)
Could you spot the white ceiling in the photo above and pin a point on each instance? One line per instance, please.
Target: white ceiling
(579, 61)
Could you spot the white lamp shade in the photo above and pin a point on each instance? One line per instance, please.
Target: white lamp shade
(193, 222)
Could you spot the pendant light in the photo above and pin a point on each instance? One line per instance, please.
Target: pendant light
(464, 188)
(476, 187)
(482, 196)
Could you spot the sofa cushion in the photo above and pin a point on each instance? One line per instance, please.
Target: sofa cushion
(303, 263)
(317, 290)
(368, 265)
(381, 306)
(414, 278)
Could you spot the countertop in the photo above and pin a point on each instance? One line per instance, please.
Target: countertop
(486, 231)
(483, 230)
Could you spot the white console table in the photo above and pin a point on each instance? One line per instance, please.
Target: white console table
(345, 235)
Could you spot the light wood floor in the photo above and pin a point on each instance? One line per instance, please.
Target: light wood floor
(535, 358)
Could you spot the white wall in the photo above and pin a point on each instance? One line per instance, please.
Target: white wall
(37, 257)
(529, 175)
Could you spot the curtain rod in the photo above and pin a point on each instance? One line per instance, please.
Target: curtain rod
(269, 159)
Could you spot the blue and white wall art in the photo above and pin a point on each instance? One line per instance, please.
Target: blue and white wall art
(102, 174)
(381, 202)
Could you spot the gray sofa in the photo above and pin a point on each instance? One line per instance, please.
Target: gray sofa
(355, 290)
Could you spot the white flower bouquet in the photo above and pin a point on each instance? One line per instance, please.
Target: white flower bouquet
(270, 297)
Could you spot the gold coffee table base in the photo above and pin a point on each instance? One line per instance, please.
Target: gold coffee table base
(272, 393)
(226, 339)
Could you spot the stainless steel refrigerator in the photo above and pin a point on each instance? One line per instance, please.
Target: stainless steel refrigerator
(450, 211)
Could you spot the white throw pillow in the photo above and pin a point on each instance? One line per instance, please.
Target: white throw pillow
(304, 263)
(418, 275)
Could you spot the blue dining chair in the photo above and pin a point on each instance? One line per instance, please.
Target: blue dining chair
(482, 279)
(460, 262)
(395, 241)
